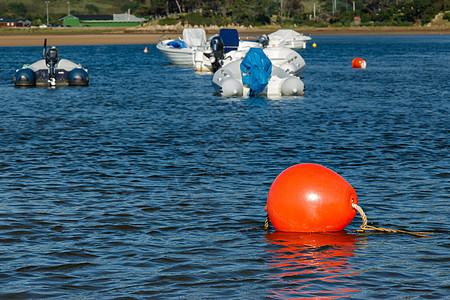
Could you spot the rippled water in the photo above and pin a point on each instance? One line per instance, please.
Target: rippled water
(147, 185)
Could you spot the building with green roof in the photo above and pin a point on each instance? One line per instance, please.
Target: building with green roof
(116, 20)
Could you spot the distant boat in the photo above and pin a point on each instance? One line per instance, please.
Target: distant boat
(288, 38)
(51, 71)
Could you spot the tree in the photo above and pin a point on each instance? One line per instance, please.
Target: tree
(294, 7)
(18, 9)
(132, 6)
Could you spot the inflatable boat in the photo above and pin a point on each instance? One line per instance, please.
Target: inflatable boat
(51, 71)
(255, 76)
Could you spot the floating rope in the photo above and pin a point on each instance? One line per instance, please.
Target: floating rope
(365, 227)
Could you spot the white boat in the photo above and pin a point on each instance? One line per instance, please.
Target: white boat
(217, 55)
(181, 51)
(288, 38)
(194, 49)
(228, 46)
(223, 48)
(255, 75)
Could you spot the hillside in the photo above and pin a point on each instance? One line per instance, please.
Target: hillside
(313, 13)
(59, 8)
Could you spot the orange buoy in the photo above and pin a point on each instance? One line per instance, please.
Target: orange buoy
(358, 63)
(145, 50)
(310, 198)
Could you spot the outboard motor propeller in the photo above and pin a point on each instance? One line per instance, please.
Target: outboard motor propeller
(264, 40)
(217, 48)
(51, 59)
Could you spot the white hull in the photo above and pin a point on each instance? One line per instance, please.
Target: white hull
(227, 82)
(176, 56)
(181, 51)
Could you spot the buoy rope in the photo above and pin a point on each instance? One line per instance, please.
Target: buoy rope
(266, 223)
(365, 227)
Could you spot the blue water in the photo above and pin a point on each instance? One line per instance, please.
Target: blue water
(146, 185)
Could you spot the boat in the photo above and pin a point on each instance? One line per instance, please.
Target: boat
(288, 38)
(255, 75)
(227, 47)
(181, 51)
(51, 71)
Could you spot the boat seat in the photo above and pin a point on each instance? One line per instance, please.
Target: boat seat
(230, 39)
(194, 37)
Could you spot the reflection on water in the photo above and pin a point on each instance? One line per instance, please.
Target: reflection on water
(311, 264)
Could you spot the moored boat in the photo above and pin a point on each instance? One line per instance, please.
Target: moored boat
(225, 47)
(51, 71)
(288, 38)
(255, 75)
(225, 50)
(181, 51)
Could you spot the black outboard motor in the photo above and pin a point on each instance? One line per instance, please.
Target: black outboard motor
(217, 47)
(51, 59)
(264, 40)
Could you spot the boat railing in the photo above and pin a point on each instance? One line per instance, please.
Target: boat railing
(165, 37)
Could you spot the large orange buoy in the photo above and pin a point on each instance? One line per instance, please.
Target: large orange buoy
(358, 63)
(145, 50)
(310, 198)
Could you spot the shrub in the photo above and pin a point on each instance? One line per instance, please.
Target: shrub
(426, 19)
(447, 16)
(168, 21)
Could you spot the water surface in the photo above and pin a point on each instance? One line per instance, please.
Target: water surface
(147, 185)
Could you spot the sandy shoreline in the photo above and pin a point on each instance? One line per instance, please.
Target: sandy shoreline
(151, 37)
(78, 39)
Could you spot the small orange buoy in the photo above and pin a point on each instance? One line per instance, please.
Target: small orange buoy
(310, 198)
(358, 63)
(314, 45)
(145, 50)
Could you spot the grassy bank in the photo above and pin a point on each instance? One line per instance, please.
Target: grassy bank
(158, 29)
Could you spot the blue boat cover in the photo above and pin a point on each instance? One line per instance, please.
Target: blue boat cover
(256, 69)
(177, 44)
(230, 39)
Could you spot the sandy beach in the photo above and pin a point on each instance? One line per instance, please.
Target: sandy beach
(78, 39)
(131, 36)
